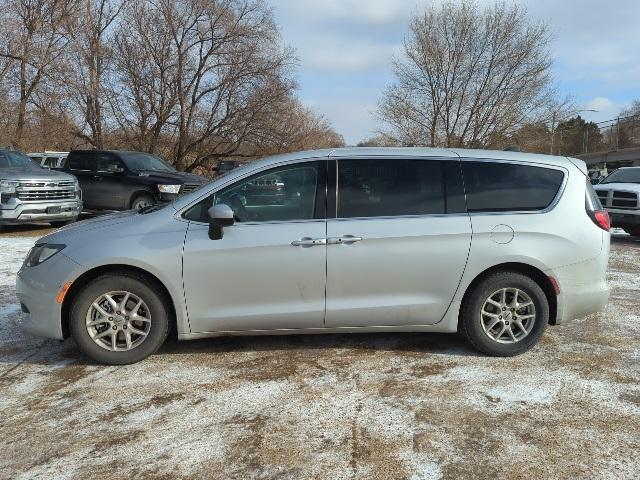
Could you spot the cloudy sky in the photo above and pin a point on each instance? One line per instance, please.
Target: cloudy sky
(345, 48)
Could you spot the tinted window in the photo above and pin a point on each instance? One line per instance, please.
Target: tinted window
(145, 161)
(108, 162)
(280, 194)
(82, 161)
(374, 188)
(495, 187)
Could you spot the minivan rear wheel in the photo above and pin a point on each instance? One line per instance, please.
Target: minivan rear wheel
(119, 319)
(505, 314)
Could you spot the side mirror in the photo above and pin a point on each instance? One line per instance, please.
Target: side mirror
(219, 216)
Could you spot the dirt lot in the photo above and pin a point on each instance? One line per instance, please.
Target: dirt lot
(341, 406)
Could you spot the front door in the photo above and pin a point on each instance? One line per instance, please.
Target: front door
(110, 184)
(399, 243)
(268, 270)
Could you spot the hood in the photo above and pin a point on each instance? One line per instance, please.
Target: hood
(28, 173)
(177, 177)
(98, 223)
(630, 187)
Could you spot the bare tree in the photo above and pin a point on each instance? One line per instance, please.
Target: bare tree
(229, 68)
(288, 126)
(468, 74)
(90, 55)
(144, 99)
(34, 41)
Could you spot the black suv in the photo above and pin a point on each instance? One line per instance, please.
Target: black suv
(119, 180)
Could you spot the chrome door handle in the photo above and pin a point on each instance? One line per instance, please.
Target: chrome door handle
(309, 242)
(345, 239)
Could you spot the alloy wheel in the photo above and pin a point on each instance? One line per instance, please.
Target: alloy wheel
(118, 321)
(508, 315)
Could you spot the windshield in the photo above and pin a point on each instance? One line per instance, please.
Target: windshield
(9, 159)
(624, 175)
(137, 161)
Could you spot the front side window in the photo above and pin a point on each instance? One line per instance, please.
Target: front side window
(107, 162)
(281, 194)
(500, 186)
(392, 187)
(140, 161)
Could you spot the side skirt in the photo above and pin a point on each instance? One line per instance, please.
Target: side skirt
(449, 324)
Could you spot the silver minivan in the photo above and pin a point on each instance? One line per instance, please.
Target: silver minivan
(494, 245)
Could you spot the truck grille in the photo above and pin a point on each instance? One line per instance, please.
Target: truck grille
(189, 187)
(34, 191)
(617, 199)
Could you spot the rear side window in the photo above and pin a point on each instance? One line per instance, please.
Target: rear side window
(499, 187)
(375, 188)
(82, 161)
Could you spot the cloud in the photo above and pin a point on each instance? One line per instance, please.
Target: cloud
(347, 45)
(338, 56)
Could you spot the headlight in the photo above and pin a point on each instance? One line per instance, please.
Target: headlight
(41, 253)
(7, 186)
(169, 188)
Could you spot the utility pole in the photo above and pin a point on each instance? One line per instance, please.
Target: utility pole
(553, 129)
(586, 143)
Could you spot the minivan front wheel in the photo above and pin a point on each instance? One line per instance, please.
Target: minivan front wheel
(505, 314)
(119, 319)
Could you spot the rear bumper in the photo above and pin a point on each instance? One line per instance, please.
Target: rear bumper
(26, 212)
(579, 301)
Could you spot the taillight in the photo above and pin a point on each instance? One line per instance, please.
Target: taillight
(601, 218)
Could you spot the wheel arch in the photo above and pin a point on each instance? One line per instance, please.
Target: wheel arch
(95, 272)
(532, 272)
(138, 193)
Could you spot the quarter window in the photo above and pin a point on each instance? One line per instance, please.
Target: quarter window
(375, 188)
(498, 187)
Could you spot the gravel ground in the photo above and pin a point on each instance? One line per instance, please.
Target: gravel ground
(338, 406)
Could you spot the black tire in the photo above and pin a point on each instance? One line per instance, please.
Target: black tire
(633, 231)
(62, 223)
(471, 321)
(142, 200)
(142, 287)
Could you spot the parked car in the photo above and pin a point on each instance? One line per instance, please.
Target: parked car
(30, 193)
(619, 193)
(120, 180)
(49, 159)
(495, 245)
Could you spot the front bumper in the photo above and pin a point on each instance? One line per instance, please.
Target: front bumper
(40, 211)
(37, 288)
(167, 197)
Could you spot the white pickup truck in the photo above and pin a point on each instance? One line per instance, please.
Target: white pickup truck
(619, 194)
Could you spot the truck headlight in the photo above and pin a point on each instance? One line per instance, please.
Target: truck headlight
(8, 186)
(41, 253)
(169, 188)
